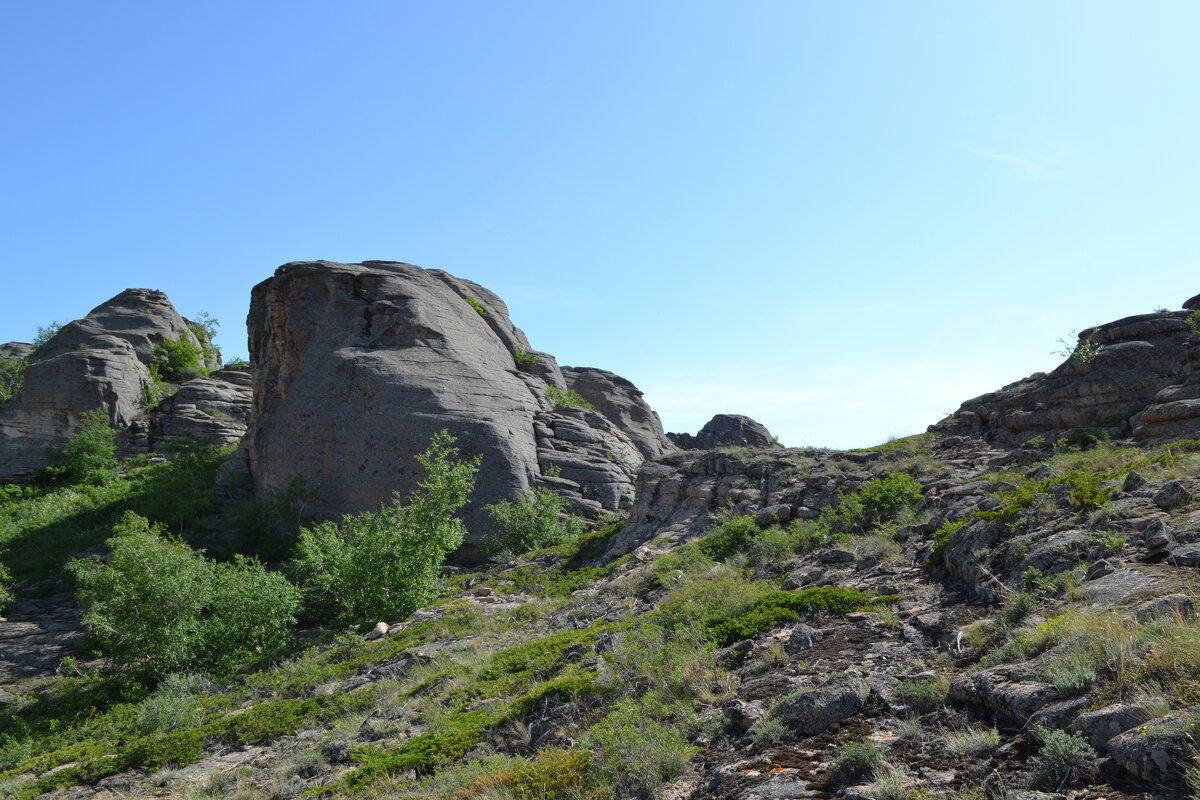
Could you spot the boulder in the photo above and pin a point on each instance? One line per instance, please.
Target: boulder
(1103, 724)
(1172, 495)
(356, 366)
(1003, 692)
(100, 361)
(811, 711)
(1158, 749)
(726, 430)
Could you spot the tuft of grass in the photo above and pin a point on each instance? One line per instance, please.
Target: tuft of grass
(973, 742)
(856, 762)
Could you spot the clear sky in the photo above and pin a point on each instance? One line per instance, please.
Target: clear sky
(840, 218)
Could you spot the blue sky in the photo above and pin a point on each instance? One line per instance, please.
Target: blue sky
(842, 219)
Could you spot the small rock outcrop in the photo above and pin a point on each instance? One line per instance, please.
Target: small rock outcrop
(726, 430)
(1139, 375)
(214, 408)
(356, 366)
(100, 361)
(623, 405)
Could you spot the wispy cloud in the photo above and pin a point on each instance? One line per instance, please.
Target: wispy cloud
(1031, 168)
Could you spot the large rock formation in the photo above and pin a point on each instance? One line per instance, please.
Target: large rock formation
(356, 366)
(1139, 375)
(100, 361)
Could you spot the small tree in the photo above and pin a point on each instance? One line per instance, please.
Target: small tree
(156, 606)
(384, 564)
(91, 453)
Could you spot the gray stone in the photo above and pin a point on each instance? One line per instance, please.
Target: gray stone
(1103, 724)
(1158, 749)
(1137, 357)
(809, 712)
(835, 556)
(1173, 494)
(802, 638)
(215, 408)
(1117, 587)
(773, 515)
(1134, 480)
(742, 715)
(1171, 606)
(726, 430)
(1002, 691)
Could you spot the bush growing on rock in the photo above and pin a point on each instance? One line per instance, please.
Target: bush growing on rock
(383, 565)
(534, 521)
(90, 455)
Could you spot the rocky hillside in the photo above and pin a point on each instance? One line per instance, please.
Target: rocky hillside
(1001, 608)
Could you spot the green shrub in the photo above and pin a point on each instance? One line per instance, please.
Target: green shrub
(779, 607)
(384, 565)
(90, 455)
(1062, 759)
(635, 753)
(170, 707)
(156, 606)
(550, 775)
(1193, 322)
(533, 522)
(45, 334)
(920, 694)
(6, 596)
(570, 397)
(475, 304)
(179, 359)
(12, 376)
(856, 762)
(728, 537)
(808, 535)
(879, 501)
(524, 359)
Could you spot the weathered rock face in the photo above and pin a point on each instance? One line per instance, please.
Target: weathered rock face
(623, 405)
(15, 350)
(356, 366)
(1138, 375)
(98, 361)
(215, 408)
(726, 430)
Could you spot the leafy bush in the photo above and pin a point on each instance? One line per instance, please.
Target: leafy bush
(170, 706)
(156, 606)
(534, 521)
(728, 537)
(45, 334)
(6, 596)
(384, 565)
(179, 359)
(12, 376)
(570, 397)
(780, 607)
(873, 504)
(920, 694)
(90, 455)
(524, 359)
(475, 304)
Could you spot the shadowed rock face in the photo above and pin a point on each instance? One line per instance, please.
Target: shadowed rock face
(98, 361)
(214, 408)
(1142, 377)
(356, 366)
